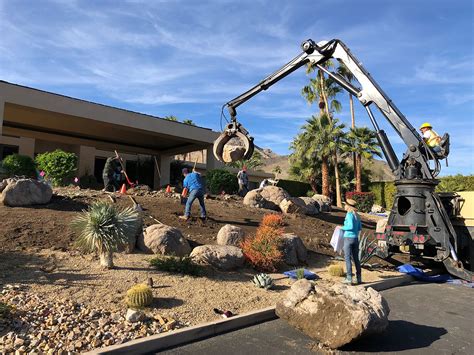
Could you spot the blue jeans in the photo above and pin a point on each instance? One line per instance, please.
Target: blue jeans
(351, 249)
(195, 194)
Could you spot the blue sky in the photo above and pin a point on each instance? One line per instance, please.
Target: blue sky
(187, 58)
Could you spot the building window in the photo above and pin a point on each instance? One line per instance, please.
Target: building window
(6, 150)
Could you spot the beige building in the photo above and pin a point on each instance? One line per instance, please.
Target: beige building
(34, 121)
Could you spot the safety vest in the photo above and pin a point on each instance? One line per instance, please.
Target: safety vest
(434, 139)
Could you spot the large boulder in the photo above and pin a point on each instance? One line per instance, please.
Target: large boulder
(25, 192)
(377, 209)
(223, 257)
(163, 239)
(232, 153)
(334, 315)
(269, 197)
(230, 235)
(323, 201)
(302, 205)
(294, 250)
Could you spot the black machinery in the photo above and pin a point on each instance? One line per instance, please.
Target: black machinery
(418, 219)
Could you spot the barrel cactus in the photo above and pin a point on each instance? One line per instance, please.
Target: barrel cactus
(139, 296)
(336, 270)
(263, 281)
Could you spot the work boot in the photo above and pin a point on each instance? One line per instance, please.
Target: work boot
(359, 279)
(184, 218)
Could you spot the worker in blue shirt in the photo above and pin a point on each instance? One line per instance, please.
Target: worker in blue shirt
(193, 183)
(352, 227)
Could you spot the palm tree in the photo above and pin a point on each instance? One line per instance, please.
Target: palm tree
(171, 118)
(325, 90)
(189, 122)
(253, 163)
(320, 138)
(362, 142)
(104, 228)
(276, 170)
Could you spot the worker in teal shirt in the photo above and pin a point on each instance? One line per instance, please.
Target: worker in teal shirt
(352, 227)
(192, 182)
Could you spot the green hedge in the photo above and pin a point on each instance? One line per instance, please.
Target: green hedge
(219, 180)
(385, 191)
(59, 166)
(19, 165)
(295, 188)
(364, 200)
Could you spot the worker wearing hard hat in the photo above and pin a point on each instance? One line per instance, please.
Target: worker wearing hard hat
(431, 138)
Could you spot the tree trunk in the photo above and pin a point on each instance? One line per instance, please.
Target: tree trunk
(106, 259)
(359, 173)
(325, 176)
(338, 183)
(351, 104)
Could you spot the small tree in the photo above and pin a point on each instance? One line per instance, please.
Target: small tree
(18, 165)
(103, 229)
(276, 170)
(59, 166)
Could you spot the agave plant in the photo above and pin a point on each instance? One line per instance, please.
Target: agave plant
(103, 228)
(367, 248)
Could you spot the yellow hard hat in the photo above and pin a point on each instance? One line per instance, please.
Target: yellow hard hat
(426, 125)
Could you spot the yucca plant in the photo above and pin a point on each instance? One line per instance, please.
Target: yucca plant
(103, 228)
(367, 248)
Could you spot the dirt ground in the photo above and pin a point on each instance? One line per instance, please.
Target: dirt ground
(36, 249)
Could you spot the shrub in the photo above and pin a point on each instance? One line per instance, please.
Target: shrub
(272, 220)
(264, 250)
(59, 166)
(139, 296)
(174, 264)
(456, 183)
(19, 165)
(104, 228)
(336, 270)
(219, 180)
(364, 200)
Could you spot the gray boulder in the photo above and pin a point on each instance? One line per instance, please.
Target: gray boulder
(230, 235)
(377, 209)
(323, 201)
(269, 197)
(294, 250)
(232, 153)
(301, 205)
(164, 240)
(334, 315)
(25, 192)
(223, 257)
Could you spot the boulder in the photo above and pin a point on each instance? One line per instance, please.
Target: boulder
(323, 201)
(163, 239)
(134, 315)
(303, 205)
(334, 315)
(381, 224)
(223, 257)
(312, 206)
(377, 209)
(25, 192)
(269, 197)
(232, 153)
(230, 235)
(294, 250)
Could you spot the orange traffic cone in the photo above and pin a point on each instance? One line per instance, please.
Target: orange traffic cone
(123, 190)
(168, 189)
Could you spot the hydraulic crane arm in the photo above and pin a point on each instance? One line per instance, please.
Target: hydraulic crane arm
(415, 162)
